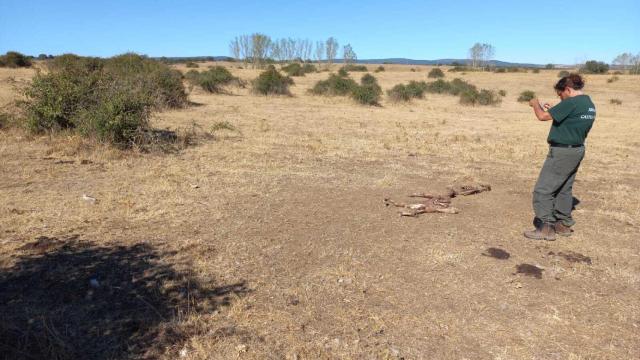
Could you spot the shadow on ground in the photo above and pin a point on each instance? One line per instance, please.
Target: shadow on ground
(73, 299)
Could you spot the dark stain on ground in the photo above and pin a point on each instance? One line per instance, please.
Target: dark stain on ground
(529, 270)
(72, 298)
(497, 253)
(572, 257)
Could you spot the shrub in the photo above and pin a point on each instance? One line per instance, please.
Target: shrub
(536, 71)
(469, 97)
(13, 59)
(335, 85)
(458, 86)
(616, 101)
(502, 93)
(416, 89)
(549, 66)
(488, 97)
(500, 70)
(594, 67)
(399, 93)
(293, 69)
(439, 87)
(526, 96)
(309, 68)
(379, 69)
(563, 73)
(342, 72)
(618, 72)
(613, 79)
(352, 67)
(271, 81)
(368, 93)
(412, 70)
(213, 79)
(435, 73)
(110, 100)
(191, 64)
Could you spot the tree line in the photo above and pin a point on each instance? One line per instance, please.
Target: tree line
(259, 49)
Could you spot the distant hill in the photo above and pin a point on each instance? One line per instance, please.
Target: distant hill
(497, 63)
(405, 61)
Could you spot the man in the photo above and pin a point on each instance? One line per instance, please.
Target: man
(571, 120)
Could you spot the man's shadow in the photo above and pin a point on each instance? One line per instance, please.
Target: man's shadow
(72, 299)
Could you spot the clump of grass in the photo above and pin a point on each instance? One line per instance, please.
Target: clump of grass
(379, 69)
(563, 73)
(309, 68)
(110, 100)
(335, 85)
(502, 93)
(213, 79)
(14, 59)
(435, 73)
(272, 82)
(536, 71)
(613, 79)
(526, 96)
(615, 102)
(191, 64)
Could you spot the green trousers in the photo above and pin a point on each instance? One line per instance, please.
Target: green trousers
(552, 195)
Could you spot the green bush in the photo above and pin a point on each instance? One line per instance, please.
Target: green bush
(352, 67)
(549, 66)
(417, 89)
(488, 97)
(563, 73)
(368, 93)
(293, 69)
(213, 79)
(500, 70)
(458, 86)
(526, 96)
(309, 68)
(110, 100)
(379, 69)
(272, 82)
(335, 85)
(191, 64)
(594, 67)
(439, 87)
(399, 93)
(435, 73)
(502, 93)
(536, 71)
(13, 59)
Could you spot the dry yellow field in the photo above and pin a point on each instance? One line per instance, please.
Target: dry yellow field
(282, 227)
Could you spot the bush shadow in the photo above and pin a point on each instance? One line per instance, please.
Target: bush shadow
(74, 299)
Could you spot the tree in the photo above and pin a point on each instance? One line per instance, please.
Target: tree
(234, 48)
(319, 53)
(594, 67)
(635, 64)
(331, 47)
(349, 56)
(481, 54)
(623, 60)
(475, 54)
(246, 50)
(260, 45)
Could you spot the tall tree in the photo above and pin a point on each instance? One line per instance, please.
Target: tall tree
(260, 45)
(623, 60)
(234, 48)
(319, 53)
(349, 56)
(331, 47)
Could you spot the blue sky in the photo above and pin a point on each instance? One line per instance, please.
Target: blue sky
(539, 31)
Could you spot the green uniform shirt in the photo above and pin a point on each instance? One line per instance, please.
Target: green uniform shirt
(572, 120)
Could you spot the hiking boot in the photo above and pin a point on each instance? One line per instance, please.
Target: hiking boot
(562, 229)
(543, 232)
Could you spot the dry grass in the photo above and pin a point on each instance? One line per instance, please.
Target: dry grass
(291, 203)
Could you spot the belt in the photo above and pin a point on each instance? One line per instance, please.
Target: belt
(553, 144)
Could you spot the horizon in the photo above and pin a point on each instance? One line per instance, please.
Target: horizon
(422, 31)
